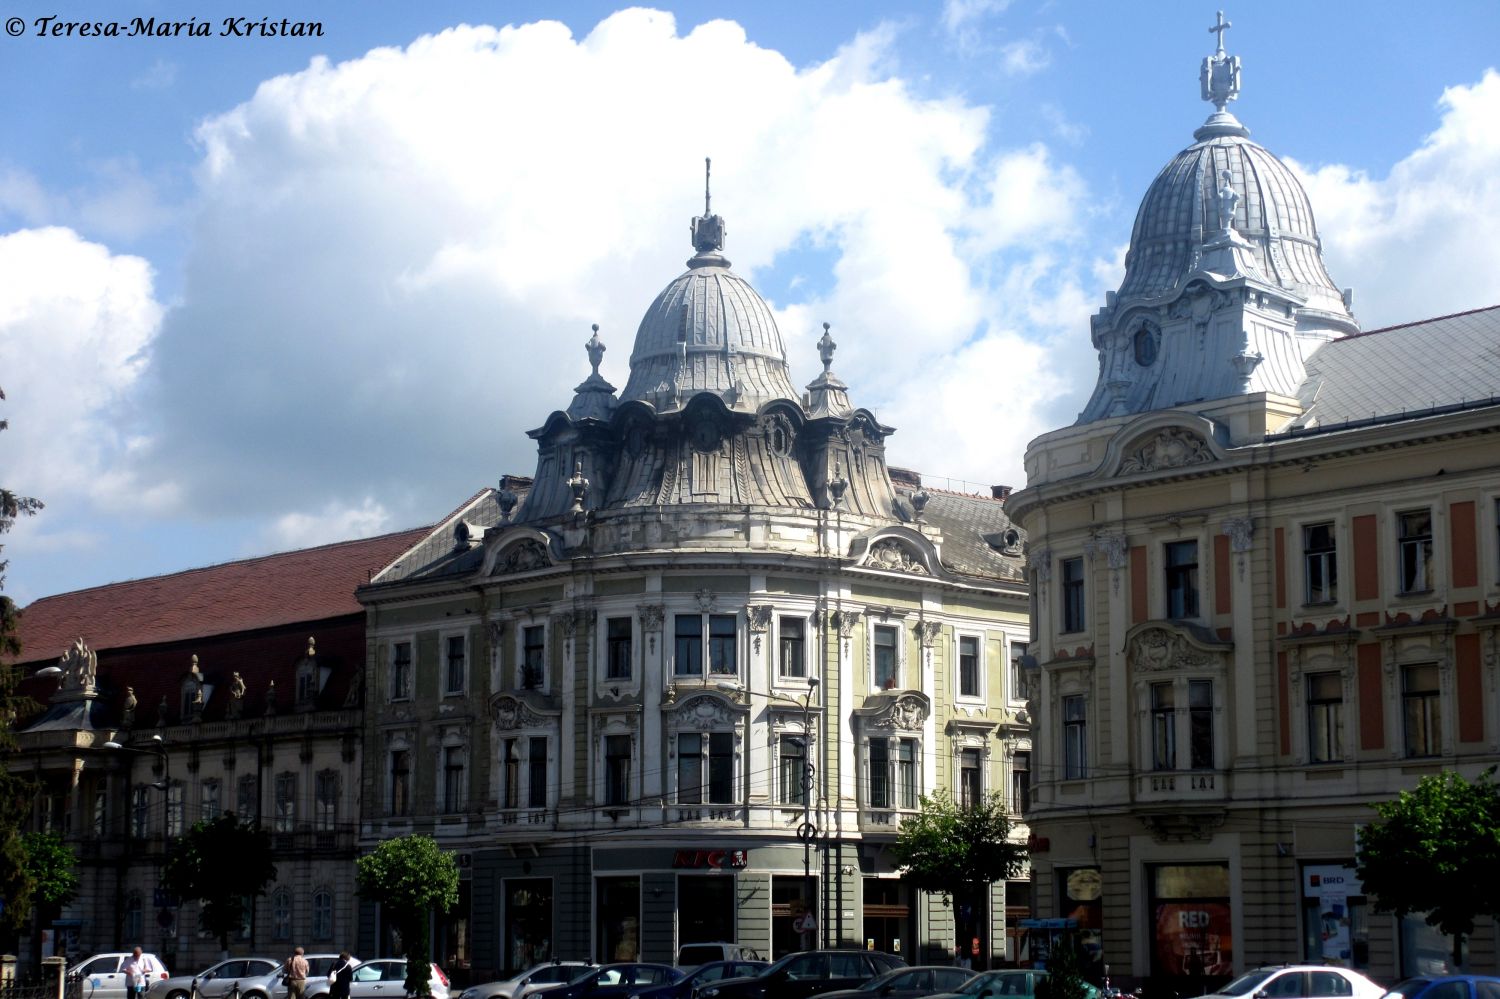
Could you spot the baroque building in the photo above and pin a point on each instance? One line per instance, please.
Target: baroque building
(230, 688)
(685, 682)
(1266, 573)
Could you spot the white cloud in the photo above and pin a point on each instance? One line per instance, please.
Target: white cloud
(960, 15)
(333, 522)
(1421, 234)
(1024, 57)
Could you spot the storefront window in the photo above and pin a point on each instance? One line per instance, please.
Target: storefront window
(1191, 934)
(888, 919)
(528, 922)
(705, 908)
(1081, 891)
(618, 908)
(791, 897)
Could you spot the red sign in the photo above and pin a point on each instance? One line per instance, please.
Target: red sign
(1193, 938)
(713, 859)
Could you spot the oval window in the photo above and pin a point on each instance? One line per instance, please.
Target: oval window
(1145, 346)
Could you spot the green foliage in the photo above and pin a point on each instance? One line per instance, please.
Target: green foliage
(947, 847)
(220, 863)
(52, 867)
(1437, 852)
(1065, 972)
(409, 877)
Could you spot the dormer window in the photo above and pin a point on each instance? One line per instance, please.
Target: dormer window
(1145, 346)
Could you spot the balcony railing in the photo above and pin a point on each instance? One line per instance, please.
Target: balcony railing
(1181, 785)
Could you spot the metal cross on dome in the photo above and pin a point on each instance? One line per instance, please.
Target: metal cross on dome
(1219, 29)
(1220, 75)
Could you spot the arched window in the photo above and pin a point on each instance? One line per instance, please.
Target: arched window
(322, 914)
(281, 914)
(134, 926)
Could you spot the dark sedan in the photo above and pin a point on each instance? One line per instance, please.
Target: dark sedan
(615, 980)
(907, 983)
(810, 973)
(700, 978)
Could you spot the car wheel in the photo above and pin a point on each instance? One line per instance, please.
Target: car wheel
(177, 994)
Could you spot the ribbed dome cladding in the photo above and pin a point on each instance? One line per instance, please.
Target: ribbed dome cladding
(730, 338)
(1181, 209)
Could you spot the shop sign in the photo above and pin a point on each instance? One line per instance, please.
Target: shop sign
(1332, 885)
(712, 859)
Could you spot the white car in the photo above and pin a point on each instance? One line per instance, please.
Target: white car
(383, 978)
(549, 973)
(100, 977)
(1300, 981)
(215, 981)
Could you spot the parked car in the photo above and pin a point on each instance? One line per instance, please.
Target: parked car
(270, 986)
(807, 973)
(907, 983)
(379, 979)
(1448, 987)
(1301, 981)
(216, 980)
(608, 981)
(549, 973)
(689, 986)
(689, 956)
(100, 975)
(1011, 983)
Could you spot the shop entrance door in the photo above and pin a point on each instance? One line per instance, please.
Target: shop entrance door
(888, 918)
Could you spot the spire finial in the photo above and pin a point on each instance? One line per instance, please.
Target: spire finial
(595, 348)
(708, 200)
(1220, 75)
(826, 347)
(1218, 29)
(708, 228)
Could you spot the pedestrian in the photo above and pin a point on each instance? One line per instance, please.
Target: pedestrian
(296, 975)
(341, 976)
(139, 970)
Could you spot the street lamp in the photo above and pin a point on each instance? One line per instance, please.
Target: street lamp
(157, 748)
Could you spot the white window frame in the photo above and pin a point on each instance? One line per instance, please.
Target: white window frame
(1086, 764)
(633, 681)
(1343, 563)
(903, 677)
(322, 932)
(444, 637)
(1182, 714)
(809, 630)
(284, 778)
(705, 758)
(980, 665)
(452, 740)
(892, 739)
(518, 675)
(1203, 573)
(1062, 595)
(322, 822)
(282, 908)
(617, 727)
(391, 645)
(1435, 566)
(707, 675)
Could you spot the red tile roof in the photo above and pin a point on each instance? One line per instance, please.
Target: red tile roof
(311, 584)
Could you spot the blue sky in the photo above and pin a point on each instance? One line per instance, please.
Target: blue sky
(261, 293)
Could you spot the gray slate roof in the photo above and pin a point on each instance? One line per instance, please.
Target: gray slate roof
(1403, 371)
(974, 530)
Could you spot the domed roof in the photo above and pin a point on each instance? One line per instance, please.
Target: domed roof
(708, 331)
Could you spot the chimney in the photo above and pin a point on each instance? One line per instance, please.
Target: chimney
(999, 492)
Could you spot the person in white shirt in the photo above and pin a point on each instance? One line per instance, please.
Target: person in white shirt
(139, 970)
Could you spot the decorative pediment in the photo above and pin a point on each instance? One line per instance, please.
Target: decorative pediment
(906, 711)
(1170, 447)
(518, 549)
(1155, 647)
(512, 713)
(703, 713)
(896, 550)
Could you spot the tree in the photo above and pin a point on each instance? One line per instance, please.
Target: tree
(1065, 971)
(409, 877)
(51, 866)
(958, 852)
(220, 862)
(1437, 851)
(16, 886)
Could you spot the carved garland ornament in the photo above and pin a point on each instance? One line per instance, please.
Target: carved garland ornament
(526, 555)
(1159, 649)
(906, 713)
(1173, 447)
(703, 713)
(891, 554)
(511, 713)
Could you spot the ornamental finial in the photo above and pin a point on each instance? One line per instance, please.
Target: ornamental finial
(595, 348)
(1220, 76)
(826, 347)
(708, 229)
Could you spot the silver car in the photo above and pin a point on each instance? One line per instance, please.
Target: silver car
(384, 978)
(270, 986)
(216, 981)
(550, 972)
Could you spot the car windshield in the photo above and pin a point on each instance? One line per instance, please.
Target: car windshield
(1246, 983)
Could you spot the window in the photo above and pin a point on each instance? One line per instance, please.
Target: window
(285, 817)
(326, 801)
(617, 770)
(1419, 705)
(1201, 724)
(1325, 717)
(700, 754)
(247, 799)
(134, 925)
(617, 645)
(1075, 737)
(400, 670)
(533, 657)
(718, 647)
(880, 773)
(322, 915)
(885, 657)
(1073, 618)
(970, 778)
(175, 824)
(968, 666)
(536, 777)
(1020, 783)
(1182, 579)
(791, 659)
(101, 812)
(1163, 727)
(281, 915)
(906, 773)
(400, 782)
(457, 674)
(208, 801)
(453, 778)
(1320, 563)
(793, 782)
(1017, 655)
(893, 773)
(140, 813)
(510, 754)
(1414, 528)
